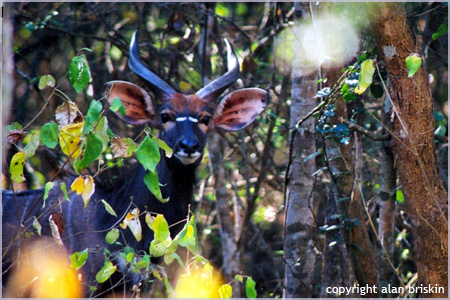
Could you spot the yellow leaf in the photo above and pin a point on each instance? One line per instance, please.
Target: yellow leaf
(78, 185)
(89, 189)
(16, 167)
(365, 76)
(135, 225)
(84, 186)
(127, 220)
(225, 291)
(70, 139)
(185, 86)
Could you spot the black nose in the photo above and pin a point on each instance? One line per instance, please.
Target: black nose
(189, 146)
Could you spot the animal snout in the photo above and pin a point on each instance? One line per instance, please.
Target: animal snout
(189, 146)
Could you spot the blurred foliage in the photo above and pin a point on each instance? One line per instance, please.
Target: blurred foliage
(48, 36)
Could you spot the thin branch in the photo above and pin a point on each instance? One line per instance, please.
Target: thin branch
(364, 131)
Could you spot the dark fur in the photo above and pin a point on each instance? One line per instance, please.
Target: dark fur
(87, 227)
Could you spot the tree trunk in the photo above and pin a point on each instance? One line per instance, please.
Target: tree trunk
(363, 252)
(336, 270)
(413, 147)
(231, 254)
(386, 200)
(345, 163)
(300, 226)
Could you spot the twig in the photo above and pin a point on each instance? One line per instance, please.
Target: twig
(441, 138)
(364, 131)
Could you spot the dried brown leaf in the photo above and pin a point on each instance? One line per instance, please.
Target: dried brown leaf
(119, 147)
(15, 136)
(66, 113)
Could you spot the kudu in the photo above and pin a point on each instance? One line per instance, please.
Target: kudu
(183, 121)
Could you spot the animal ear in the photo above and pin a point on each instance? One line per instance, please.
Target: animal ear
(240, 108)
(138, 103)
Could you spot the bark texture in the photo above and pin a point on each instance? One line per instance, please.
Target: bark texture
(336, 270)
(386, 201)
(300, 226)
(413, 147)
(345, 164)
(230, 251)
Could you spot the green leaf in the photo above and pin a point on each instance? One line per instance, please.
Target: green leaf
(78, 259)
(49, 135)
(365, 76)
(33, 144)
(442, 30)
(169, 257)
(64, 190)
(222, 10)
(141, 264)
(92, 288)
(48, 186)
(225, 291)
(363, 57)
(162, 240)
(115, 53)
(440, 130)
(148, 154)
(250, 290)
(92, 116)
(129, 257)
(128, 254)
(16, 167)
(161, 228)
(117, 106)
(188, 238)
(79, 73)
(37, 225)
(400, 197)
(112, 236)
(413, 63)
(91, 150)
(161, 144)
(14, 126)
(102, 131)
(159, 248)
(239, 278)
(46, 80)
(109, 208)
(106, 271)
(152, 183)
(349, 97)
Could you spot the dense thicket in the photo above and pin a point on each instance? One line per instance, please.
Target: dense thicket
(183, 43)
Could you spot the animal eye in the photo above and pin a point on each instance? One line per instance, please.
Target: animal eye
(165, 118)
(205, 120)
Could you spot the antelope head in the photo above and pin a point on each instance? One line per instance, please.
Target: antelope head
(184, 120)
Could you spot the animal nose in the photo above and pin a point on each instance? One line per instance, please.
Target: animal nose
(189, 146)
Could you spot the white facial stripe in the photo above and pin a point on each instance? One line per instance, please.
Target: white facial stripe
(182, 119)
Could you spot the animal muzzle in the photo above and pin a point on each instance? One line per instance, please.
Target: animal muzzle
(188, 151)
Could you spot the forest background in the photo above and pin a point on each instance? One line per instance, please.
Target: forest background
(343, 180)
